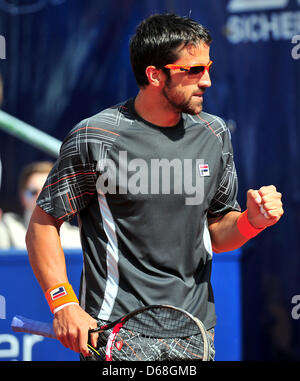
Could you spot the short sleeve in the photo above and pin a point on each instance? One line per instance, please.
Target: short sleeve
(72, 181)
(225, 198)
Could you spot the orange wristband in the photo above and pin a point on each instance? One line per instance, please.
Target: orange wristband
(59, 295)
(245, 228)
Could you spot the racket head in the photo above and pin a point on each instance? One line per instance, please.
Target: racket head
(156, 326)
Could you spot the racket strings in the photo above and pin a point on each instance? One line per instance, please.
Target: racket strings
(137, 347)
(162, 323)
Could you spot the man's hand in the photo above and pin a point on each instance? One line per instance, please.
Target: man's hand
(71, 325)
(270, 200)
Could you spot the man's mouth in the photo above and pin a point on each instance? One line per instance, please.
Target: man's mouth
(199, 95)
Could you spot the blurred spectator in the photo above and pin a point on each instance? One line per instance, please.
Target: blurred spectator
(13, 227)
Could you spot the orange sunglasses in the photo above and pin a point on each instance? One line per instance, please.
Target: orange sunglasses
(193, 69)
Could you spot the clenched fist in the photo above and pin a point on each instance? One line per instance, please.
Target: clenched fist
(264, 206)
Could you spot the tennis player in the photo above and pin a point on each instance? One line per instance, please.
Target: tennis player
(153, 184)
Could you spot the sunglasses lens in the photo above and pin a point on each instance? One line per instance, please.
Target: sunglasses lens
(191, 69)
(197, 69)
(30, 193)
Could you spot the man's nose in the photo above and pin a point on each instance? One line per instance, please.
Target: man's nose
(205, 81)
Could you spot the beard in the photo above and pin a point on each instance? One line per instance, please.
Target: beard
(179, 102)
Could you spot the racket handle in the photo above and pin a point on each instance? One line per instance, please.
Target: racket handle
(22, 324)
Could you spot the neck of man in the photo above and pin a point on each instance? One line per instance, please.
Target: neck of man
(154, 108)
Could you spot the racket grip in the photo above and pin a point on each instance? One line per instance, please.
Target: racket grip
(22, 324)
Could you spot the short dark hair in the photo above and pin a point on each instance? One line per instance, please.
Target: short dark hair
(157, 39)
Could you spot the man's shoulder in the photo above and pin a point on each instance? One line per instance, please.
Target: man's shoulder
(213, 122)
(110, 120)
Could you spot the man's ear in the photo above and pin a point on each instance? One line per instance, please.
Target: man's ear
(154, 76)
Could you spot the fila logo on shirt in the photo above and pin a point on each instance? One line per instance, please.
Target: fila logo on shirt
(58, 293)
(204, 170)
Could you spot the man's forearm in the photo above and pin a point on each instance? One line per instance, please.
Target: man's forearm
(71, 324)
(45, 252)
(224, 233)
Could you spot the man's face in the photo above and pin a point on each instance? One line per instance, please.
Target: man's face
(184, 91)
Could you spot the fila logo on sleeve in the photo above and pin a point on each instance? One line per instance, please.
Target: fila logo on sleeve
(58, 293)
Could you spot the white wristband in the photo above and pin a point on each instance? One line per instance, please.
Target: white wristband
(63, 306)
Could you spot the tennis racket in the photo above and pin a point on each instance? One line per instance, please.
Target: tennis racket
(152, 333)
